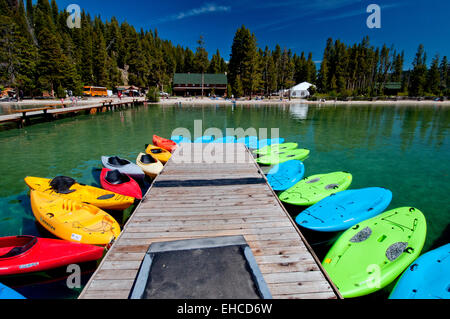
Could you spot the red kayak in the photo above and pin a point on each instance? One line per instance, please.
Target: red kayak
(27, 254)
(119, 183)
(164, 143)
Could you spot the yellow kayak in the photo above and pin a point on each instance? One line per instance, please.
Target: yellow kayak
(87, 194)
(160, 154)
(150, 165)
(72, 220)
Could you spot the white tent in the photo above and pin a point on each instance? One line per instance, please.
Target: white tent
(301, 90)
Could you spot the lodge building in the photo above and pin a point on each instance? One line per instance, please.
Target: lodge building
(196, 84)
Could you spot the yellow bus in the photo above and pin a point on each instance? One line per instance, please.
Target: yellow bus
(95, 91)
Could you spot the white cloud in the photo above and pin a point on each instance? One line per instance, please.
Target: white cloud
(205, 9)
(354, 13)
(316, 5)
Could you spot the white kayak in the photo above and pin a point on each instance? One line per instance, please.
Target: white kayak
(124, 166)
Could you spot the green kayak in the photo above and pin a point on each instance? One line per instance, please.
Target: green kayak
(313, 189)
(276, 148)
(371, 255)
(281, 157)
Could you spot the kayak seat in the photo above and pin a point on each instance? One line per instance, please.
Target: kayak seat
(116, 178)
(117, 161)
(157, 151)
(148, 159)
(62, 185)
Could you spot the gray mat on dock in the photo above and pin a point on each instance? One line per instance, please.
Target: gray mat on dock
(211, 268)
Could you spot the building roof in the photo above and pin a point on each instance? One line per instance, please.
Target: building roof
(122, 88)
(391, 85)
(302, 86)
(196, 78)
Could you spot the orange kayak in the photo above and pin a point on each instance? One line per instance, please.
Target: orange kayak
(164, 143)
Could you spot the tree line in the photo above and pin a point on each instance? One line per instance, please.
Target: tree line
(345, 70)
(39, 52)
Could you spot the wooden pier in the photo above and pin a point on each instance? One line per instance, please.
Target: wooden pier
(211, 191)
(52, 112)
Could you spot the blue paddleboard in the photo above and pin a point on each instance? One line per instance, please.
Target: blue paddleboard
(427, 278)
(9, 294)
(344, 210)
(286, 175)
(226, 140)
(250, 141)
(180, 139)
(204, 140)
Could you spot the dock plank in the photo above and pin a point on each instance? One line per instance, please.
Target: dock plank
(194, 209)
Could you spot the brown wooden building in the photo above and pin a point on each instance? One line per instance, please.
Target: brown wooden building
(196, 84)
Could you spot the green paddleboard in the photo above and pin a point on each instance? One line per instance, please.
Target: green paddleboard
(371, 255)
(277, 148)
(284, 156)
(313, 189)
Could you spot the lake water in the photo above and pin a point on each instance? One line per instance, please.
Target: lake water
(405, 149)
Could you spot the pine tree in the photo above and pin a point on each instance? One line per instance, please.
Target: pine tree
(100, 59)
(322, 78)
(418, 76)
(434, 77)
(188, 61)
(201, 61)
(301, 69)
(52, 63)
(445, 75)
(17, 53)
(311, 71)
(244, 63)
(217, 64)
(86, 49)
(397, 67)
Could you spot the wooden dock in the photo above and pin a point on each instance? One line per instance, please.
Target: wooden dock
(195, 197)
(54, 111)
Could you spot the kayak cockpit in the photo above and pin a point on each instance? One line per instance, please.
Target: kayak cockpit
(16, 246)
(116, 178)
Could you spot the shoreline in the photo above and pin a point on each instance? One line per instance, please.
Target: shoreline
(206, 101)
(220, 101)
(55, 102)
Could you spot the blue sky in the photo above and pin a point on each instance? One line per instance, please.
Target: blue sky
(302, 25)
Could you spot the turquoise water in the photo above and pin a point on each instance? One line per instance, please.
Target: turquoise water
(405, 149)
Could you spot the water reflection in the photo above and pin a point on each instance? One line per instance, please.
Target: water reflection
(299, 111)
(403, 148)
